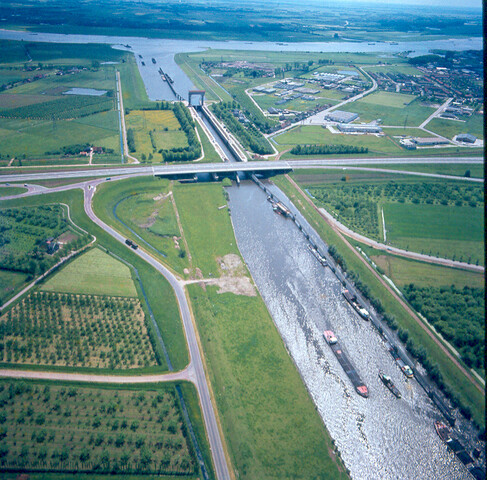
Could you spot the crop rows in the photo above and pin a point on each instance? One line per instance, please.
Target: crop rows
(76, 330)
(54, 428)
(357, 205)
(72, 106)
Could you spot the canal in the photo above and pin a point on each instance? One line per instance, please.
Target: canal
(380, 437)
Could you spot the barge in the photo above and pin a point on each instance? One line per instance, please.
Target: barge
(342, 358)
(387, 381)
(318, 255)
(405, 368)
(353, 301)
(281, 209)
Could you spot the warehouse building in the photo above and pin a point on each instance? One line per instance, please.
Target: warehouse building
(341, 117)
(466, 137)
(359, 128)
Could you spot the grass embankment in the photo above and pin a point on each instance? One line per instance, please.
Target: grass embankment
(470, 394)
(7, 191)
(145, 206)
(210, 155)
(270, 424)
(121, 430)
(157, 289)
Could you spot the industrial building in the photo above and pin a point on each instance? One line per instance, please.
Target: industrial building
(341, 117)
(429, 141)
(359, 128)
(466, 137)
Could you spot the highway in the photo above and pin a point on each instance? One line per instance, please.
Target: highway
(256, 166)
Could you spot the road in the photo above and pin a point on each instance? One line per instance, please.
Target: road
(122, 118)
(194, 372)
(194, 168)
(439, 110)
(196, 363)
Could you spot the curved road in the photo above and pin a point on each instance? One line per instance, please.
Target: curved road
(194, 372)
(196, 363)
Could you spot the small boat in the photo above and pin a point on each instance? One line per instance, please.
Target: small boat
(387, 381)
(443, 431)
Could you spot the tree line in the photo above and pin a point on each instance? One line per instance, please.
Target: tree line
(327, 149)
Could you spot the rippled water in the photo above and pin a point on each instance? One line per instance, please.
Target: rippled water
(163, 51)
(380, 437)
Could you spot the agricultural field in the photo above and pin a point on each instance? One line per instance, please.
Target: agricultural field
(155, 130)
(449, 213)
(40, 121)
(93, 273)
(454, 232)
(449, 128)
(93, 430)
(23, 249)
(76, 330)
(304, 135)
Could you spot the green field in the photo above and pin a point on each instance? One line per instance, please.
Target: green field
(7, 191)
(93, 273)
(10, 283)
(463, 389)
(449, 128)
(388, 99)
(145, 206)
(312, 134)
(207, 228)
(445, 231)
(403, 271)
(390, 108)
(101, 430)
(155, 130)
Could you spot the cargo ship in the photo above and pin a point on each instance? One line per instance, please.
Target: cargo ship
(342, 358)
(453, 444)
(153, 60)
(352, 300)
(281, 209)
(387, 381)
(317, 254)
(405, 368)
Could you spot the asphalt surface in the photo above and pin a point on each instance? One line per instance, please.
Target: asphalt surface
(195, 367)
(194, 168)
(194, 372)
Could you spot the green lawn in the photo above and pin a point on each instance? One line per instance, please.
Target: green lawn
(94, 273)
(403, 271)
(389, 99)
(412, 115)
(448, 230)
(143, 205)
(7, 191)
(314, 134)
(208, 229)
(209, 150)
(10, 282)
(449, 128)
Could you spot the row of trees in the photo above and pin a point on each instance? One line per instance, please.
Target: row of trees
(326, 149)
(249, 135)
(418, 351)
(193, 150)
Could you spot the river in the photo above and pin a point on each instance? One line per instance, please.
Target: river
(163, 51)
(380, 437)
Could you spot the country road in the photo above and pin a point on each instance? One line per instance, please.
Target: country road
(196, 363)
(194, 372)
